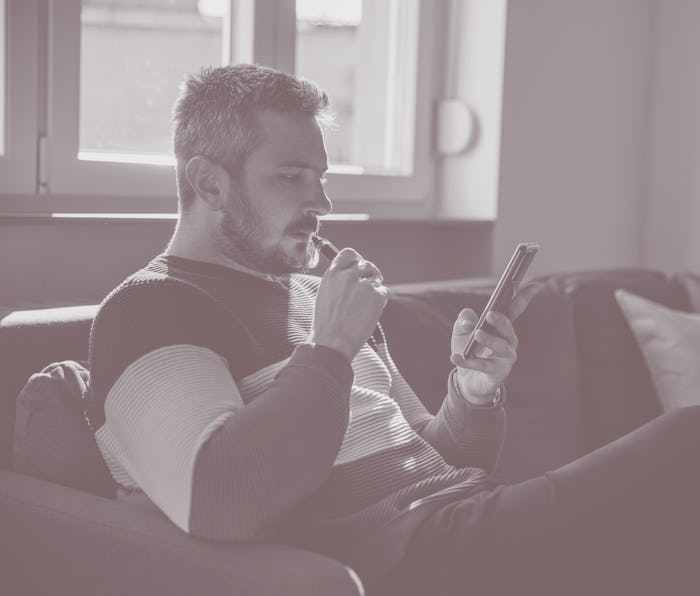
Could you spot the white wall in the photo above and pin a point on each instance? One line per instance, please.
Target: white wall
(476, 42)
(673, 216)
(575, 131)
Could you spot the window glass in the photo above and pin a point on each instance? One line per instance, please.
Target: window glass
(2, 77)
(114, 68)
(133, 55)
(364, 53)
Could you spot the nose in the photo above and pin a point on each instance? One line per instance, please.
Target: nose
(320, 204)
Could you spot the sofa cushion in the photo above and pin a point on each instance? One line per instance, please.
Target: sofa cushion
(542, 411)
(616, 391)
(29, 340)
(52, 439)
(418, 321)
(691, 284)
(670, 342)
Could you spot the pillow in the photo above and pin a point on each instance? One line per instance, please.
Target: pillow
(615, 387)
(53, 440)
(670, 342)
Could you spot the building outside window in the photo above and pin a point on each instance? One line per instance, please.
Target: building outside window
(114, 67)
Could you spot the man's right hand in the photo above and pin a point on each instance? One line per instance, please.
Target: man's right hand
(350, 300)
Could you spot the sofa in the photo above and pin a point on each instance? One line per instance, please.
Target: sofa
(581, 380)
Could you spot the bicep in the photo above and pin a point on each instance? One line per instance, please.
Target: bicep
(160, 412)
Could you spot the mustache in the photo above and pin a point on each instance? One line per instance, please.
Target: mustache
(305, 224)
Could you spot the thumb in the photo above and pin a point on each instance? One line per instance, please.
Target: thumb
(465, 322)
(346, 258)
(462, 329)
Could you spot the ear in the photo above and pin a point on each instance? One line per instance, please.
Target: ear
(210, 181)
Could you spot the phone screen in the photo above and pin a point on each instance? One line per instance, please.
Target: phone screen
(505, 289)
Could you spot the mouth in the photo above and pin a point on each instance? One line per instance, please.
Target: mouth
(304, 247)
(305, 234)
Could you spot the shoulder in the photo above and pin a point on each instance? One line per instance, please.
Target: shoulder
(147, 312)
(148, 300)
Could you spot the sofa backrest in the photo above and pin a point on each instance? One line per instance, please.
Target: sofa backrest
(616, 391)
(580, 379)
(543, 408)
(29, 340)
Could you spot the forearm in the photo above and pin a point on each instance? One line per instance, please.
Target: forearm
(274, 452)
(466, 434)
(216, 467)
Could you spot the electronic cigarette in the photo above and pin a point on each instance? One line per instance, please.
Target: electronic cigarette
(329, 250)
(326, 247)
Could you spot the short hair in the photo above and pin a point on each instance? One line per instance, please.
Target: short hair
(215, 114)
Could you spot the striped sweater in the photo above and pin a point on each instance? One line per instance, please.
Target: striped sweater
(206, 396)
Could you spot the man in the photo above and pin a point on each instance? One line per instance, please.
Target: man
(243, 399)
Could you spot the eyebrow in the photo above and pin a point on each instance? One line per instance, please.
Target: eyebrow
(301, 165)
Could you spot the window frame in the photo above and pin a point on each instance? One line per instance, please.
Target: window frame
(80, 186)
(381, 195)
(18, 164)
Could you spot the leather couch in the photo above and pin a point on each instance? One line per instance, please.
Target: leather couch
(579, 382)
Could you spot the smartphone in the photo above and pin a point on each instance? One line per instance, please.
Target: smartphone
(505, 289)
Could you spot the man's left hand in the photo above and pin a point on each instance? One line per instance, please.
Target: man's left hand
(478, 378)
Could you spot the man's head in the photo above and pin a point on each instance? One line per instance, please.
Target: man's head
(216, 114)
(249, 147)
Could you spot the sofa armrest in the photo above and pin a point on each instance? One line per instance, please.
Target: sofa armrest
(82, 544)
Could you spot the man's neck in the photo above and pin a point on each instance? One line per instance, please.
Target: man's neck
(187, 245)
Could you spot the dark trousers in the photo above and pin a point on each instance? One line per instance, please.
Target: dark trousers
(622, 520)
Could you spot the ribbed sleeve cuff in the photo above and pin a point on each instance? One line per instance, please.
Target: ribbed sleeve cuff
(477, 429)
(325, 361)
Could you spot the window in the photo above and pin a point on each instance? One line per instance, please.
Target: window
(132, 56)
(112, 91)
(2, 77)
(113, 69)
(374, 45)
(18, 96)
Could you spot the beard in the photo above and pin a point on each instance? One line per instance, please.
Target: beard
(242, 235)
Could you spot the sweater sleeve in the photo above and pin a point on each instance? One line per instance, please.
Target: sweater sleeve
(465, 435)
(168, 372)
(216, 467)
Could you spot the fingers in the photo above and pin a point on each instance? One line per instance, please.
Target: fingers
(464, 324)
(370, 271)
(503, 325)
(491, 347)
(349, 302)
(350, 259)
(490, 366)
(497, 346)
(75, 375)
(345, 259)
(522, 299)
(500, 347)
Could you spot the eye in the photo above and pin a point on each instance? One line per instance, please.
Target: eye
(290, 176)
